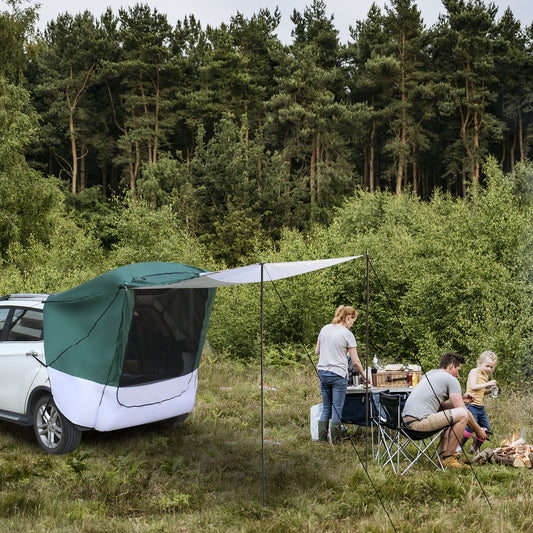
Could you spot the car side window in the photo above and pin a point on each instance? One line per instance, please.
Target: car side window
(26, 325)
(4, 313)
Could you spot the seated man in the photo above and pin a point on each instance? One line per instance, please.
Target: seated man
(437, 402)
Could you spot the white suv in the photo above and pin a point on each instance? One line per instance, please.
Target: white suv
(25, 396)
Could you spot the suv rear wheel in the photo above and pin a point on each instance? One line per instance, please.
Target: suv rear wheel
(55, 433)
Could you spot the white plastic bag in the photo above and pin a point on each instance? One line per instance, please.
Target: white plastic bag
(314, 417)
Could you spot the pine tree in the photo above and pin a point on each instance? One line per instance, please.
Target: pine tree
(464, 53)
(145, 98)
(407, 42)
(367, 94)
(68, 68)
(514, 67)
(307, 111)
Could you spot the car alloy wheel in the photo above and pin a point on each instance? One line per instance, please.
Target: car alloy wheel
(55, 433)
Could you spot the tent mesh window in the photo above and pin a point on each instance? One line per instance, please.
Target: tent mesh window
(164, 336)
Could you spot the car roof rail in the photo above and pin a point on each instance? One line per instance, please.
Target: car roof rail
(36, 297)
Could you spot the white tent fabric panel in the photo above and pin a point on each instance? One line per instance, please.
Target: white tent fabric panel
(252, 273)
(106, 408)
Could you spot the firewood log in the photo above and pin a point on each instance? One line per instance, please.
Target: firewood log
(483, 457)
(508, 460)
(518, 462)
(502, 459)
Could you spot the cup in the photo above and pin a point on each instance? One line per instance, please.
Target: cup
(494, 391)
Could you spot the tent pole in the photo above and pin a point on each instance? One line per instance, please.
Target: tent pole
(367, 348)
(262, 399)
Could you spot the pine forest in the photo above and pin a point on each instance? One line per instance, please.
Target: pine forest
(125, 138)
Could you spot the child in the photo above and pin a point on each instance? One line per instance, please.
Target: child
(479, 385)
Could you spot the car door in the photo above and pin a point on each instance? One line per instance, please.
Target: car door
(21, 345)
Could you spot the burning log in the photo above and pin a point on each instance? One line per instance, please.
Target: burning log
(512, 443)
(514, 453)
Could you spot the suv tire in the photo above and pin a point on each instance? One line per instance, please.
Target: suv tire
(55, 433)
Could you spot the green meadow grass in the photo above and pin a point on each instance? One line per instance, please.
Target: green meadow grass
(205, 475)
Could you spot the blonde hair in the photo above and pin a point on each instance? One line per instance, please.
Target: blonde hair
(487, 356)
(342, 312)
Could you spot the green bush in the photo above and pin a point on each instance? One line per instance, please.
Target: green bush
(444, 275)
(448, 274)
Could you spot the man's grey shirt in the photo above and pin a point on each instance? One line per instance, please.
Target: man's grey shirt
(433, 390)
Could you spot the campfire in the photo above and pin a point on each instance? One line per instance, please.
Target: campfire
(511, 452)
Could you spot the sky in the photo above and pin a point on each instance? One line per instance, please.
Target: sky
(214, 12)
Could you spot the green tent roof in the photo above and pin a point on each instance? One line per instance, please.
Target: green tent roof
(86, 329)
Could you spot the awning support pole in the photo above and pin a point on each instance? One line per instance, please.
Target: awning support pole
(262, 399)
(367, 349)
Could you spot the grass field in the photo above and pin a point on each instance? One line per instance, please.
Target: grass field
(205, 475)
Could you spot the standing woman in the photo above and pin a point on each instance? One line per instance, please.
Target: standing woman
(335, 342)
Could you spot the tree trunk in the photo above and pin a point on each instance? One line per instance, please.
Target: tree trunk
(288, 173)
(322, 161)
(83, 169)
(366, 171)
(137, 167)
(475, 152)
(399, 178)
(504, 142)
(521, 136)
(402, 171)
(132, 174)
(72, 106)
(312, 174)
(74, 153)
(156, 118)
(246, 156)
(504, 154)
(371, 166)
(415, 178)
(104, 182)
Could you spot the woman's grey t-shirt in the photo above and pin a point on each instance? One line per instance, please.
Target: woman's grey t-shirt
(433, 390)
(334, 343)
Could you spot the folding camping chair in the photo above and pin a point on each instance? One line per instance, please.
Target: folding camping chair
(396, 441)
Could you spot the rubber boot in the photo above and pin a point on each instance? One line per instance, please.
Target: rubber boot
(460, 447)
(335, 432)
(477, 444)
(464, 440)
(323, 430)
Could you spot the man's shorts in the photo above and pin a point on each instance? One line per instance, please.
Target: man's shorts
(432, 422)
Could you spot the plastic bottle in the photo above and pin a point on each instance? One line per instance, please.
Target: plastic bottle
(415, 379)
